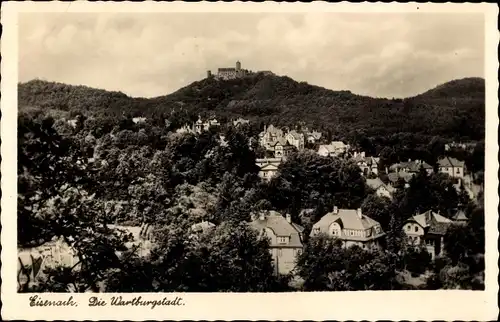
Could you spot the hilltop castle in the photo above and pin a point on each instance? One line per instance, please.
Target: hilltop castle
(225, 73)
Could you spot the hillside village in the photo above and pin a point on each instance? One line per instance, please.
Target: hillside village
(198, 181)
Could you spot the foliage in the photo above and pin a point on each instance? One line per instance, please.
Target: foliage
(325, 265)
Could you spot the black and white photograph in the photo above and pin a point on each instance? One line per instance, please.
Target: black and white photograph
(246, 151)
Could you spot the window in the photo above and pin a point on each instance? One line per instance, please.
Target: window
(408, 227)
(282, 240)
(458, 170)
(416, 228)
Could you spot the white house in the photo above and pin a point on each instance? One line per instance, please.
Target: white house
(296, 139)
(453, 167)
(350, 226)
(381, 189)
(268, 171)
(335, 148)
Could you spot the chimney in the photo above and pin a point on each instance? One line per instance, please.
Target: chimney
(409, 160)
(355, 154)
(289, 218)
(262, 215)
(360, 214)
(335, 210)
(209, 74)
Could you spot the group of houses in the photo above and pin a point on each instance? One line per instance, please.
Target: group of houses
(284, 141)
(286, 238)
(352, 228)
(200, 125)
(334, 149)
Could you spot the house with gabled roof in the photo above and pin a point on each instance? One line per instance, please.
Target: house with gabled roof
(352, 227)
(285, 238)
(282, 148)
(335, 148)
(412, 167)
(268, 171)
(380, 188)
(296, 139)
(451, 166)
(313, 137)
(269, 136)
(368, 165)
(427, 229)
(460, 217)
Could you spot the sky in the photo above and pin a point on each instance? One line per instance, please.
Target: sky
(152, 54)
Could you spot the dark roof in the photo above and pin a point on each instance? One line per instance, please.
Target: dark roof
(438, 228)
(394, 176)
(230, 69)
(433, 222)
(280, 227)
(450, 162)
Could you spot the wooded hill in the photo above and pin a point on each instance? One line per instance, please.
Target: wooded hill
(454, 110)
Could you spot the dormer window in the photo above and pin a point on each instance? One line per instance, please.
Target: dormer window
(283, 240)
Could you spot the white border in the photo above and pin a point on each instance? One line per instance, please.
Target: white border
(395, 305)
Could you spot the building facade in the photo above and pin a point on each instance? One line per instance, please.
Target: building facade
(351, 227)
(296, 139)
(285, 238)
(451, 166)
(333, 149)
(428, 230)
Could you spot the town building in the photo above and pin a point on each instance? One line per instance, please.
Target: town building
(368, 165)
(268, 171)
(201, 126)
(468, 146)
(268, 167)
(285, 238)
(460, 217)
(451, 166)
(396, 177)
(270, 136)
(335, 148)
(350, 226)
(380, 188)
(240, 122)
(296, 139)
(200, 228)
(137, 120)
(412, 167)
(313, 137)
(428, 230)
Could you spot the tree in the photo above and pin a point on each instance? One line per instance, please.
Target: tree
(325, 265)
(377, 208)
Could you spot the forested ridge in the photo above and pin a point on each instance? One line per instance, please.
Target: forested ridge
(452, 110)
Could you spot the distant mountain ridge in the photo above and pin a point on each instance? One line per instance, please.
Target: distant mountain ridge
(455, 108)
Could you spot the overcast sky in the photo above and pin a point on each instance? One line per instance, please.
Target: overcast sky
(382, 55)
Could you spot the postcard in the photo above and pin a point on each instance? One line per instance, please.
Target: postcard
(249, 161)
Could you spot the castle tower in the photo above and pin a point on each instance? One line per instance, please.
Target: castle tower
(238, 66)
